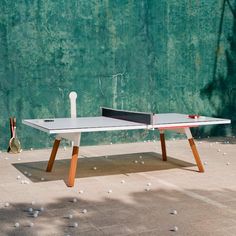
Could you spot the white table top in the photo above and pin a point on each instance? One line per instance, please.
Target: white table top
(101, 123)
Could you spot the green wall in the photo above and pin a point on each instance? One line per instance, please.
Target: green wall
(153, 55)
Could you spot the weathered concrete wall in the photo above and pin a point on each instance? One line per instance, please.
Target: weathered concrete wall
(153, 55)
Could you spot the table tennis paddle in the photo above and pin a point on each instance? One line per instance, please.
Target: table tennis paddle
(14, 143)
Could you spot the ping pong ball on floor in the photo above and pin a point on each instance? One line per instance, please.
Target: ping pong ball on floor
(149, 184)
(109, 191)
(7, 204)
(224, 153)
(31, 224)
(42, 179)
(18, 177)
(142, 162)
(135, 161)
(41, 209)
(84, 211)
(94, 167)
(227, 163)
(75, 225)
(174, 212)
(35, 215)
(17, 224)
(122, 181)
(25, 172)
(205, 162)
(30, 209)
(81, 191)
(218, 150)
(140, 157)
(70, 216)
(33, 202)
(175, 229)
(74, 199)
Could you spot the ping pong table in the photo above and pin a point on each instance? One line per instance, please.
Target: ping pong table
(113, 119)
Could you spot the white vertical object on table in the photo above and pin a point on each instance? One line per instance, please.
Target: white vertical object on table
(73, 113)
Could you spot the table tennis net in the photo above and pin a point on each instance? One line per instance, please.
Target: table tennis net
(139, 117)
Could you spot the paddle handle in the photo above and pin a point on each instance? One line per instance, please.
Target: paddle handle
(73, 96)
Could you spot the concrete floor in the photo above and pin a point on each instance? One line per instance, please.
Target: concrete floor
(122, 197)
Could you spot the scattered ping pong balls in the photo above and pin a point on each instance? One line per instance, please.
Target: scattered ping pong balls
(74, 199)
(84, 211)
(31, 224)
(17, 224)
(7, 204)
(75, 224)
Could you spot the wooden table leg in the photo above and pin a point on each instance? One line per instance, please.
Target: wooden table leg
(73, 166)
(196, 155)
(163, 146)
(53, 155)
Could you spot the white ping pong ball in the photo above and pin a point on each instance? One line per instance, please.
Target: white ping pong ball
(31, 224)
(205, 162)
(84, 211)
(149, 184)
(109, 191)
(7, 204)
(17, 224)
(75, 225)
(81, 191)
(94, 167)
(30, 209)
(175, 229)
(122, 181)
(142, 162)
(174, 212)
(74, 199)
(18, 177)
(70, 216)
(135, 161)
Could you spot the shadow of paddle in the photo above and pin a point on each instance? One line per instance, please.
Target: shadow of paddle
(100, 166)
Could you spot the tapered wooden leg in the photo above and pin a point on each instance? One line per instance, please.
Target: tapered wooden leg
(73, 166)
(53, 155)
(163, 146)
(196, 155)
